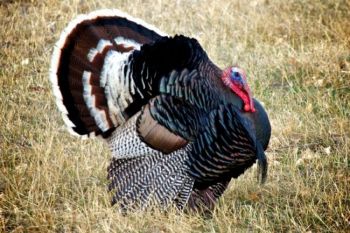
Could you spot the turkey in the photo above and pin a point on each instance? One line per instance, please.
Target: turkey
(179, 128)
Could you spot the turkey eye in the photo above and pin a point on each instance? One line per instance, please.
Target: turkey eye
(235, 76)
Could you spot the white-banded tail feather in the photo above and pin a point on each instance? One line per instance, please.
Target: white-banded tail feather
(88, 82)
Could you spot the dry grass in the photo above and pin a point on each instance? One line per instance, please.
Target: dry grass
(297, 55)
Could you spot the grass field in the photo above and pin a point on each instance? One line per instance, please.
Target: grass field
(297, 56)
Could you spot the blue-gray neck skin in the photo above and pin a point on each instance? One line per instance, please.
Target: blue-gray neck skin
(261, 123)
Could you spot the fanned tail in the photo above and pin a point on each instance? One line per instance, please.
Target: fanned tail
(79, 63)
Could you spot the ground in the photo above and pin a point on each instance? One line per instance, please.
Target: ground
(297, 57)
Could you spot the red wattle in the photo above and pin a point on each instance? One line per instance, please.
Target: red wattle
(242, 92)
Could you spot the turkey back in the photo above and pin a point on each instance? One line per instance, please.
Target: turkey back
(78, 68)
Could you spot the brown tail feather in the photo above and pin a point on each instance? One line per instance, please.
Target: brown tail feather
(78, 60)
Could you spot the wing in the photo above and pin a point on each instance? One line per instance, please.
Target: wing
(141, 176)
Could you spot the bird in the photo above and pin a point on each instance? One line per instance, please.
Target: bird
(179, 128)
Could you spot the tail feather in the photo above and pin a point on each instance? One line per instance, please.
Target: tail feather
(140, 175)
(78, 62)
